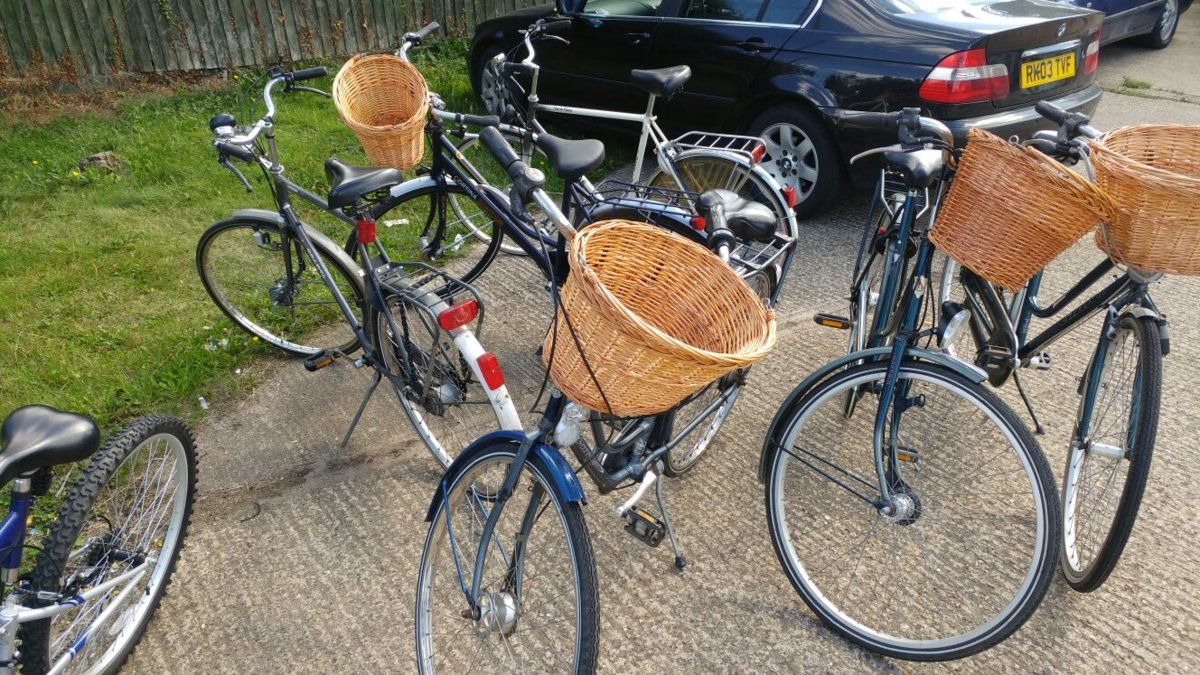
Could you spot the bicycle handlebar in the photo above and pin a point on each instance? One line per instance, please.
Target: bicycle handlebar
(1074, 124)
(306, 74)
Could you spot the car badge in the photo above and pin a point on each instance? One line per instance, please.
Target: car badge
(1062, 29)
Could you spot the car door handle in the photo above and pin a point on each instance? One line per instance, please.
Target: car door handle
(636, 38)
(754, 46)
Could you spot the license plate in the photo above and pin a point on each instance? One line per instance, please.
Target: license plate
(1044, 71)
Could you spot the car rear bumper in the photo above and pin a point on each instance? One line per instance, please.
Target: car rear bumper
(1023, 122)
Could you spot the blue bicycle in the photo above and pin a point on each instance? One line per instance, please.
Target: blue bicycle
(84, 601)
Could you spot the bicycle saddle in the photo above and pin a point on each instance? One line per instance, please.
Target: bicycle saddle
(746, 219)
(38, 436)
(662, 82)
(571, 159)
(348, 183)
(920, 168)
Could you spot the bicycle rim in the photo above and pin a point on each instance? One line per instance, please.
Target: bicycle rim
(965, 561)
(537, 613)
(683, 457)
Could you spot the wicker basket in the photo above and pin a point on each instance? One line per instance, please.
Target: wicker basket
(384, 101)
(657, 317)
(1152, 172)
(1011, 210)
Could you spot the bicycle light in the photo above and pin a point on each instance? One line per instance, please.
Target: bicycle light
(459, 314)
(954, 316)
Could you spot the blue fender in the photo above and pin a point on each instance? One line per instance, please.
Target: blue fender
(837, 365)
(549, 461)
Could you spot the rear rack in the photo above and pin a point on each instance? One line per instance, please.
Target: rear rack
(427, 289)
(750, 148)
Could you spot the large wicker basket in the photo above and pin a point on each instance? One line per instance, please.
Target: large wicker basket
(1011, 210)
(656, 316)
(384, 101)
(1152, 172)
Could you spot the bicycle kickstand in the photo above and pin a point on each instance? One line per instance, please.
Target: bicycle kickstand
(361, 407)
(662, 507)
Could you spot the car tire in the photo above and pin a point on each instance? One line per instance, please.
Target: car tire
(1165, 27)
(477, 80)
(801, 153)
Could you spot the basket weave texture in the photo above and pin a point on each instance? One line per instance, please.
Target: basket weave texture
(1011, 210)
(1152, 172)
(384, 100)
(658, 317)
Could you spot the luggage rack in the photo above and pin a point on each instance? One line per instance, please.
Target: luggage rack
(642, 198)
(750, 148)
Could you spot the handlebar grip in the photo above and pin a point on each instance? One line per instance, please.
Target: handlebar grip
(1051, 112)
(480, 120)
(233, 150)
(556, 26)
(307, 74)
(495, 143)
(428, 30)
(869, 120)
(511, 67)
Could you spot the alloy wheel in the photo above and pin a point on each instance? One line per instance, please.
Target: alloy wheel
(791, 158)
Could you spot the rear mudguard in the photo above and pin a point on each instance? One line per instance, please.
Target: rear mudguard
(549, 461)
(970, 372)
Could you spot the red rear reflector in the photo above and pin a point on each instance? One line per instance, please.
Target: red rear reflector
(698, 223)
(965, 77)
(489, 367)
(459, 314)
(366, 231)
(758, 153)
(789, 193)
(1091, 55)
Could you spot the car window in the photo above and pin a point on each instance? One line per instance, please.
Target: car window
(786, 11)
(622, 7)
(729, 10)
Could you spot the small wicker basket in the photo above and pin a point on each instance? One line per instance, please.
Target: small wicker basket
(1011, 210)
(1152, 172)
(656, 316)
(384, 100)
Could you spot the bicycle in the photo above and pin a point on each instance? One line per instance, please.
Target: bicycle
(1116, 422)
(694, 162)
(940, 540)
(457, 581)
(416, 320)
(107, 558)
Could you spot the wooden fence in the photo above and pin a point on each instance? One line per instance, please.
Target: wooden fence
(90, 39)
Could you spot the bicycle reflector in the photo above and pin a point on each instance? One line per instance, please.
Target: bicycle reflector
(366, 231)
(758, 153)
(459, 314)
(698, 223)
(789, 193)
(489, 368)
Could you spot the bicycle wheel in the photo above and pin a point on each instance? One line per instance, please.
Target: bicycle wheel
(490, 172)
(966, 553)
(446, 405)
(684, 457)
(1106, 472)
(538, 606)
(720, 170)
(130, 507)
(425, 208)
(241, 265)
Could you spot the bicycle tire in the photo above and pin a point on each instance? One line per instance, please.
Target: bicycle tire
(1148, 372)
(333, 258)
(578, 544)
(1045, 542)
(52, 562)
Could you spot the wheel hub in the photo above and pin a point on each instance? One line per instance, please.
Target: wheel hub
(904, 507)
(497, 613)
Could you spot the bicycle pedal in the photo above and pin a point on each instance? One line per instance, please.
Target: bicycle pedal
(832, 321)
(319, 360)
(647, 528)
(995, 358)
(1041, 361)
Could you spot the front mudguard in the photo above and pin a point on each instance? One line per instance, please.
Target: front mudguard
(837, 365)
(546, 459)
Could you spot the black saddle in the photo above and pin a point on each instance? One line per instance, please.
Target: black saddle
(920, 168)
(662, 82)
(37, 436)
(748, 220)
(571, 159)
(349, 183)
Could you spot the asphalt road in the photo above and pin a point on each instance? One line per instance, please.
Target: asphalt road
(303, 558)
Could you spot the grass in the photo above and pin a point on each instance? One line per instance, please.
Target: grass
(1133, 83)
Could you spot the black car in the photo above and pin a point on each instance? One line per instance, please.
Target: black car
(1153, 22)
(782, 69)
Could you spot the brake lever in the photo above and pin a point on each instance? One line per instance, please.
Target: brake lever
(560, 38)
(311, 90)
(224, 161)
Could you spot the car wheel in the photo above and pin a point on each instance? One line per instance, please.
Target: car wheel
(800, 154)
(487, 81)
(1164, 29)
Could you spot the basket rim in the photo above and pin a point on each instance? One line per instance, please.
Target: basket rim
(1129, 163)
(767, 336)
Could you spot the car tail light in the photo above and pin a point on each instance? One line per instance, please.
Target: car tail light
(489, 367)
(965, 77)
(1091, 55)
(459, 314)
